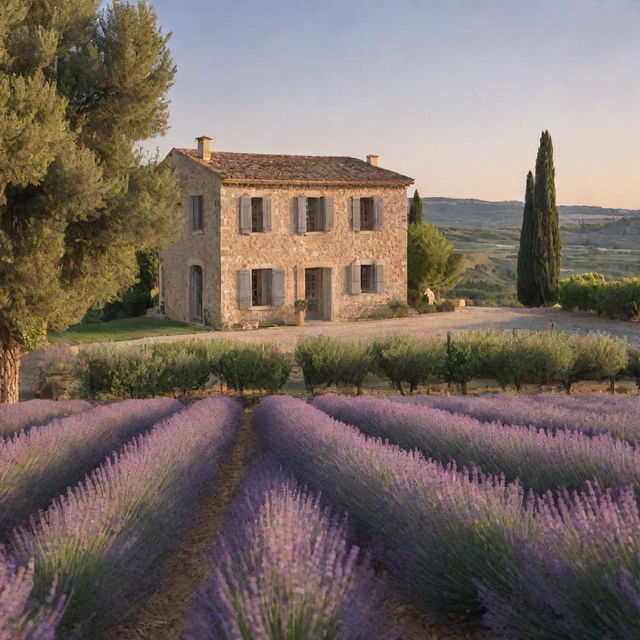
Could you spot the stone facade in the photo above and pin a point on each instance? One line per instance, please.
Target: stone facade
(328, 260)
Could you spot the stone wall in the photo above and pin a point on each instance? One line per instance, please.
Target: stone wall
(193, 247)
(283, 248)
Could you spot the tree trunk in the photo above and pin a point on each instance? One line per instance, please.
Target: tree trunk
(9, 371)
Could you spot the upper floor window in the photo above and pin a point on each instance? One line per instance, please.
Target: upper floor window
(196, 213)
(314, 214)
(255, 214)
(367, 214)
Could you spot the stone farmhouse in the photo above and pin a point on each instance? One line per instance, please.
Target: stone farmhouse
(262, 231)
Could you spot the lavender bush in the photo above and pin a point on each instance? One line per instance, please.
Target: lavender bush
(579, 577)
(15, 417)
(38, 464)
(284, 570)
(106, 535)
(436, 529)
(540, 460)
(20, 617)
(525, 410)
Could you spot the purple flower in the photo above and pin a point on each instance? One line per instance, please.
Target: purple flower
(15, 417)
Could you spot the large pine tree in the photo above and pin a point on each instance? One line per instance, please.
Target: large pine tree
(527, 294)
(416, 212)
(547, 242)
(80, 87)
(539, 256)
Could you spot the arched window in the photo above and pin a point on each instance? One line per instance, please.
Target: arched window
(196, 293)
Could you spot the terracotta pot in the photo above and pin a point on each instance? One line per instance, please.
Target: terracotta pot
(299, 317)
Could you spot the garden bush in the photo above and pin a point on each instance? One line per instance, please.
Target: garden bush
(255, 367)
(153, 369)
(329, 361)
(409, 360)
(618, 299)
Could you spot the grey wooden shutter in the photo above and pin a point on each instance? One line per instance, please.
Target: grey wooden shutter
(245, 215)
(355, 216)
(354, 285)
(378, 214)
(301, 214)
(266, 214)
(328, 213)
(277, 287)
(244, 288)
(378, 275)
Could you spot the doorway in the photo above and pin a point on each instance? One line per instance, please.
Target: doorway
(317, 292)
(196, 294)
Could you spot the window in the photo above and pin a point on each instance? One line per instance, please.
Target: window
(367, 278)
(367, 214)
(196, 213)
(257, 219)
(315, 215)
(261, 287)
(196, 294)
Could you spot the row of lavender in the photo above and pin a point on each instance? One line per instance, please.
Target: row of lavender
(562, 565)
(284, 569)
(540, 459)
(100, 542)
(590, 413)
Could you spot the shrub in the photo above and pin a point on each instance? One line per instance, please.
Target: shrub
(38, 464)
(399, 308)
(581, 291)
(254, 367)
(328, 361)
(305, 584)
(409, 360)
(446, 306)
(633, 364)
(596, 356)
(107, 536)
(19, 416)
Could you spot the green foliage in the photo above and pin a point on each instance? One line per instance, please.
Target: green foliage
(446, 306)
(416, 211)
(80, 87)
(431, 261)
(526, 284)
(618, 299)
(254, 367)
(633, 364)
(460, 363)
(546, 229)
(328, 361)
(596, 356)
(540, 255)
(399, 308)
(409, 360)
(150, 370)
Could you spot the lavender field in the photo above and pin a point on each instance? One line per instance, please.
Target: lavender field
(501, 516)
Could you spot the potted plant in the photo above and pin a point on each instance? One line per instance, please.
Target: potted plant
(300, 306)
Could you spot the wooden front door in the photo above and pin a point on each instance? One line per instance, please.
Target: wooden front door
(313, 292)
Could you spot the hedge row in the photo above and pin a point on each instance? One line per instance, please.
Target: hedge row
(512, 359)
(180, 367)
(618, 299)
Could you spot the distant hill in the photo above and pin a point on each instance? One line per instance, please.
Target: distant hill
(507, 214)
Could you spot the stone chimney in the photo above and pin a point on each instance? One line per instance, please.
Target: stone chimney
(372, 160)
(204, 147)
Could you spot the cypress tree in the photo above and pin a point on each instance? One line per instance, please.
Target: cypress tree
(526, 283)
(416, 214)
(547, 243)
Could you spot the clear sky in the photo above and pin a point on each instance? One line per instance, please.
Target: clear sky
(452, 93)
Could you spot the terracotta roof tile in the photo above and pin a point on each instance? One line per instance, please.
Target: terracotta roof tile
(270, 168)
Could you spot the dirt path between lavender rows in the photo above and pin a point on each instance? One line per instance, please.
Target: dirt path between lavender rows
(185, 571)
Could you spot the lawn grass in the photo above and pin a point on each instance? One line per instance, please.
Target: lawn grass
(125, 329)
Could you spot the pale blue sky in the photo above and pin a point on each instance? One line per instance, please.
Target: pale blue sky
(452, 93)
